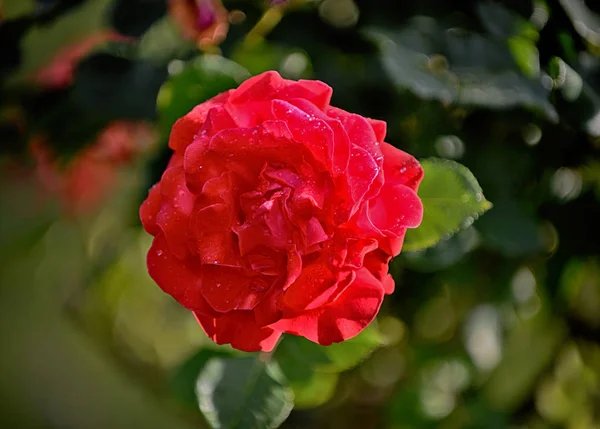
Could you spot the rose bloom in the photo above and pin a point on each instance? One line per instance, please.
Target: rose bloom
(204, 21)
(60, 71)
(91, 176)
(279, 213)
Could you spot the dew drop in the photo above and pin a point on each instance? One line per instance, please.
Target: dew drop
(159, 252)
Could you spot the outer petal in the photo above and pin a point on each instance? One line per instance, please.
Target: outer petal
(379, 128)
(149, 209)
(174, 215)
(377, 262)
(186, 127)
(395, 208)
(400, 167)
(175, 277)
(239, 329)
(344, 318)
(270, 85)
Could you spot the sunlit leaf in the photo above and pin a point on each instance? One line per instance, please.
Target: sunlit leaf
(244, 393)
(452, 199)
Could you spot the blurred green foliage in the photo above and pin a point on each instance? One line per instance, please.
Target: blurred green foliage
(495, 320)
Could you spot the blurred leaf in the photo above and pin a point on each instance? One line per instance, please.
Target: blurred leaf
(582, 99)
(258, 57)
(183, 378)
(44, 41)
(585, 21)
(349, 353)
(511, 229)
(454, 66)
(243, 393)
(262, 56)
(163, 42)
(300, 353)
(526, 55)
(503, 23)
(195, 82)
(452, 199)
(338, 357)
(312, 369)
(527, 352)
(580, 287)
(444, 254)
(298, 359)
(15, 9)
(313, 390)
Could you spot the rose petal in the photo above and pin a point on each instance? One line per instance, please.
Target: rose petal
(401, 168)
(186, 127)
(228, 288)
(313, 133)
(377, 262)
(218, 248)
(175, 277)
(379, 128)
(361, 173)
(150, 208)
(174, 215)
(270, 85)
(342, 319)
(239, 329)
(395, 208)
(312, 288)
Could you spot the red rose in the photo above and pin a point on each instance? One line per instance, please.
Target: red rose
(279, 213)
(60, 71)
(86, 182)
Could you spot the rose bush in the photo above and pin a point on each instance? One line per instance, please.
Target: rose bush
(279, 213)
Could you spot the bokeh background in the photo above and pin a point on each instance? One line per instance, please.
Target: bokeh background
(496, 326)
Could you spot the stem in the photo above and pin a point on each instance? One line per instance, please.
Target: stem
(264, 26)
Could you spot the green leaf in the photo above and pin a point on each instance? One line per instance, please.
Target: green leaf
(183, 379)
(314, 389)
(312, 369)
(243, 393)
(163, 42)
(349, 353)
(195, 82)
(455, 66)
(444, 254)
(452, 200)
(298, 355)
